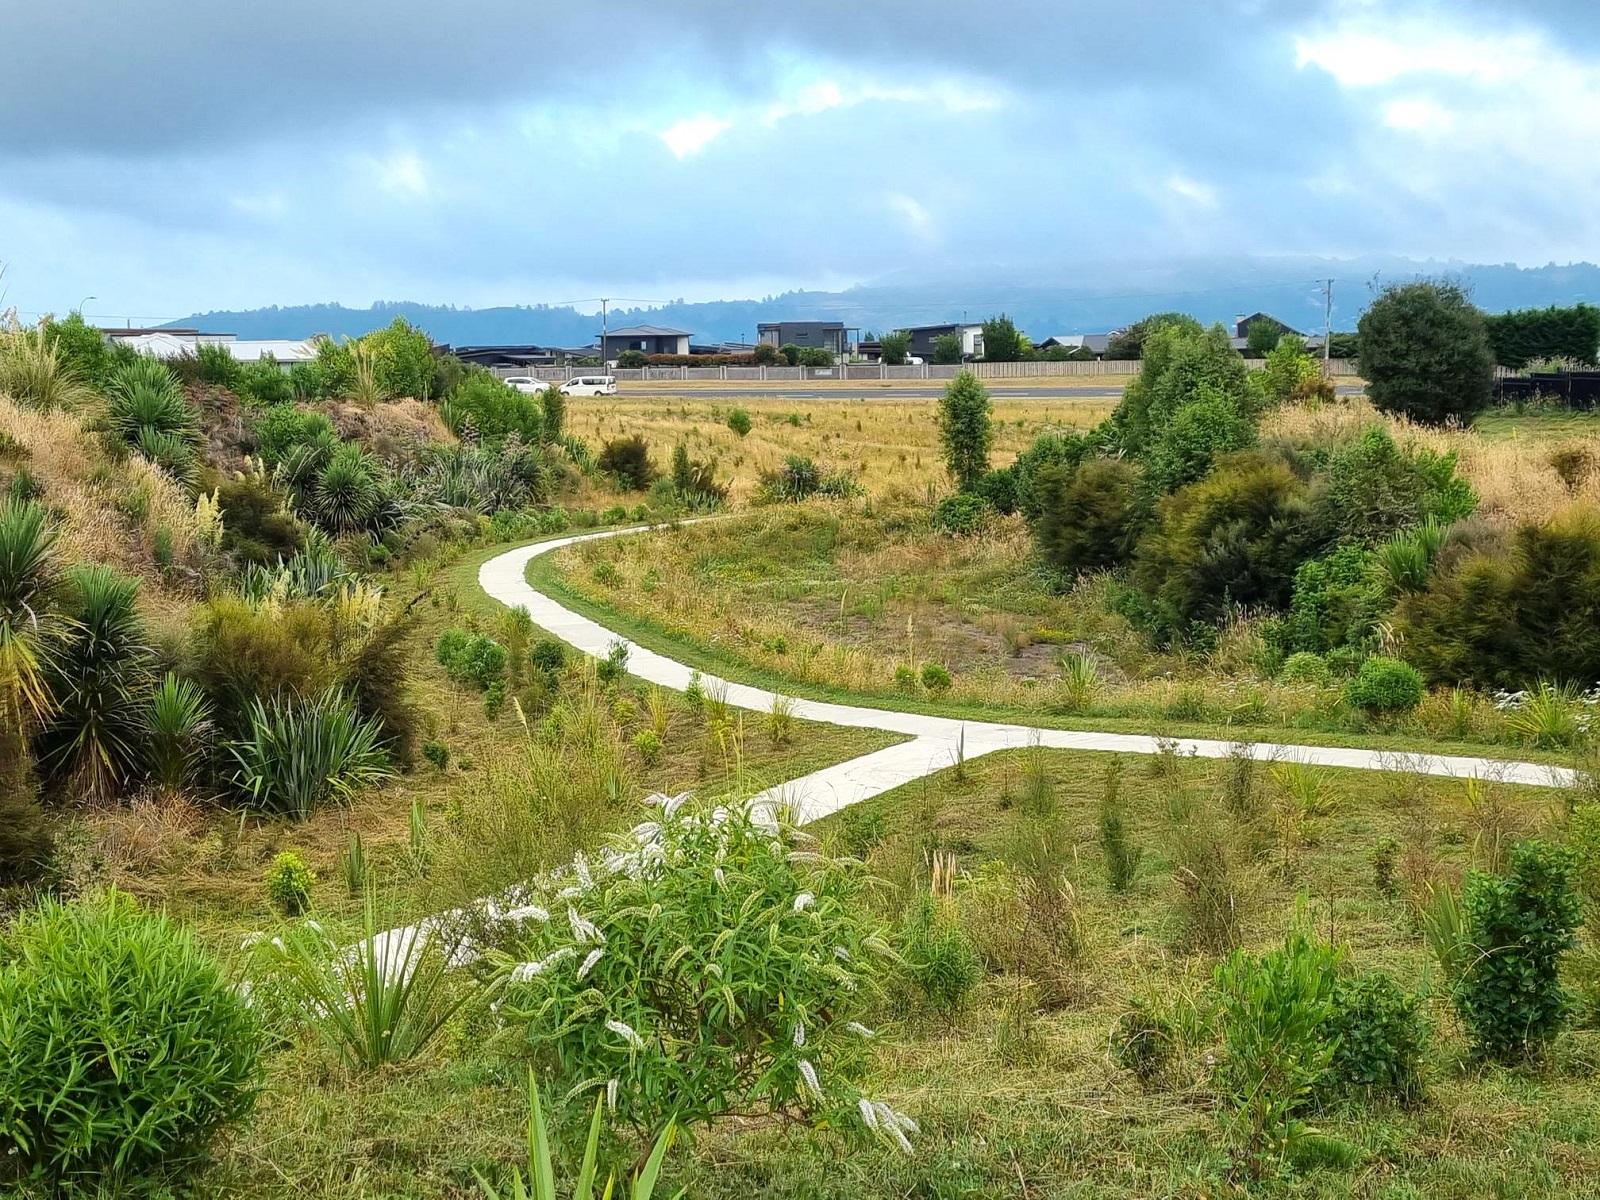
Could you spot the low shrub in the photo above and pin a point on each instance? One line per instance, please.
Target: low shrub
(647, 745)
(627, 460)
(123, 1050)
(739, 421)
(939, 958)
(936, 678)
(1144, 1043)
(800, 478)
(1305, 666)
(548, 655)
(494, 699)
(1517, 928)
(1379, 1033)
(729, 977)
(470, 657)
(437, 753)
(1384, 686)
(289, 882)
(613, 668)
(1086, 516)
(1117, 849)
(962, 514)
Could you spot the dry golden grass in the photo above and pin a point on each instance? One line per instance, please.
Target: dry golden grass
(111, 511)
(1513, 475)
(891, 441)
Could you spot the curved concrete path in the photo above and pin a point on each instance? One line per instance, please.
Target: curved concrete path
(935, 742)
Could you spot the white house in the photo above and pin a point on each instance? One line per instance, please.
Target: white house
(175, 343)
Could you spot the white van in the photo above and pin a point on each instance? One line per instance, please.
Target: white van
(526, 384)
(591, 385)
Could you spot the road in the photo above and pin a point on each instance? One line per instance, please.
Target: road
(875, 391)
(933, 743)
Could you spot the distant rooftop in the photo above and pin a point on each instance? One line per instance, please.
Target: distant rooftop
(647, 331)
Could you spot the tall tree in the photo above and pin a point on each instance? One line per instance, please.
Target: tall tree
(1001, 341)
(1425, 353)
(964, 429)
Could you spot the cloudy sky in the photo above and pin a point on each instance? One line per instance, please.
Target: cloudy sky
(170, 156)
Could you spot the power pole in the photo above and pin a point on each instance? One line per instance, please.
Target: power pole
(1327, 328)
(604, 301)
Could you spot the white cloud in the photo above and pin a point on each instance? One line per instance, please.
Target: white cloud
(1360, 57)
(1202, 195)
(1418, 114)
(401, 173)
(694, 134)
(919, 221)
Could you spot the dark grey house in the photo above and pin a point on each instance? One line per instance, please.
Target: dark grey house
(924, 336)
(830, 335)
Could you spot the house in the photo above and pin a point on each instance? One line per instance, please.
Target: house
(649, 339)
(175, 343)
(1242, 325)
(1094, 343)
(924, 336)
(829, 335)
(503, 356)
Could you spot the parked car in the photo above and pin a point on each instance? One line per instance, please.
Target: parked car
(526, 384)
(591, 385)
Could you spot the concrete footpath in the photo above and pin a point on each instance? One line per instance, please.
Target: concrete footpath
(935, 742)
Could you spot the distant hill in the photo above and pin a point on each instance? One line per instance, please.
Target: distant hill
(1043, 300)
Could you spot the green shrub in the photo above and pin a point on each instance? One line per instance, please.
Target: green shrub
(123, 1050)
(800, 478)
(1335, 602)
(965, 430)
(1303, 666)
(739, 421)
(613, 668)
(1086, 516)
(730, 977)
(1425, 353)
(1048, 450)
(935, 677)
(1384, 686)
(647, 745)
(1211, 423)
(289, 882)
(939, 957)
(1532, 334)
(1181, 364)
(1373, 488)
(300, 755)
(627, 460)
(905, 678)
(263, 383)
(470, 657)
(548, 655)
(1379, 1034)
(481, 406)
(1273, 1014)
(146, 409)
(437, 753)
(631, 360)
(494, 699)
(1517, 927)
(962, 514)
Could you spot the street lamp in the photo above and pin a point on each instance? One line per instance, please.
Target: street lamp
(84, 301)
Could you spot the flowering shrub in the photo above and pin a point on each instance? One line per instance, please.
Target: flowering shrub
(710, 964)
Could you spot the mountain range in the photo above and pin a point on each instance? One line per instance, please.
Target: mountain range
(1043, 300)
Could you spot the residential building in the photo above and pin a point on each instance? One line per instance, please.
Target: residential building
(175, 343)
(829, 335)
(503, 356)
(1094, 343)
(1242, 325)
(924, 336)
(650, 339)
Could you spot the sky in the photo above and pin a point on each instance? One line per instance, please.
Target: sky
(175, 156)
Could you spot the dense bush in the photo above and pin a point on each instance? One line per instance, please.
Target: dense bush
(632, 360)
(123, 1049)
(728, 977)
(1236, 537)
(947, 349)
(1373, 488)
(694, 481)
(1425, 353)
(965, 431)
(80, 348)
(283, 427)
(938, 956)
(1087, 516)
(1048, 450)
(1530, 334)
(1198, 430)
(242, 652)
(896, 348)
(471, 657)
(1128, 344)
(1304, 666)
(1182, 364)
(402, 359)
(1379, 1034)
(627, 460)
(146, 409)
(1384, 686)
(484, 407)
(739, 421)
(263, 383)
(1001, 341)
(1508, 617)
(1518, 926)
(257, 525)
(962, 514)
(301, 755)
(1336, 602)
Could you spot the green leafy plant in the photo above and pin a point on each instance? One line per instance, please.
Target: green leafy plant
(1379, 1035)
(177, 728)
(1548, 716)
(1080, 682)
(146, 408)
(962, 515)
(936, 678)
(710, 963)
(300, 755)
(1425, 353)
(380, 1000)
(1273, 1013)
(739, 422)
(780, 720)
(627, 460)
(1144, 1042)
(939, 958)
(471, 657)
(613, 668)
(647, 744)
(353, 865)
(1305, 666)
(289, 882)
(1384, 687)
(437, 753)
(1516, 929)
(123, 1050)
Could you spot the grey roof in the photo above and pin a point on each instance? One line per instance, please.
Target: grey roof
(647, 331)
